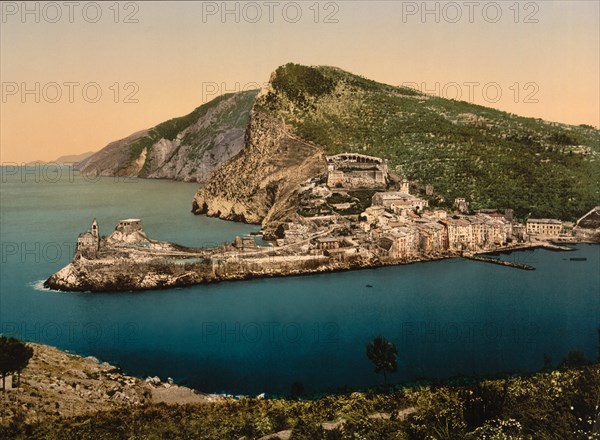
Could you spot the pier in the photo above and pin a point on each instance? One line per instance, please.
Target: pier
(500, 262)
(556, 247)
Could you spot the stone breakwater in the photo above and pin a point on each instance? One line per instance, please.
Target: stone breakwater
(500, 262)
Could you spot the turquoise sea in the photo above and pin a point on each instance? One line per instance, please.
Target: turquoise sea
(447, 318)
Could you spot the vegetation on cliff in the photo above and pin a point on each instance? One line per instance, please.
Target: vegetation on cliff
(493, 158)
(58, 384)
(260, 184)
(183, 148)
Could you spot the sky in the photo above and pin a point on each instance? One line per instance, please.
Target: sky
(78, 75)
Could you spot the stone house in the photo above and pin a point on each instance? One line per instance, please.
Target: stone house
(397, 201)
(544, 226)
(88, 243)
(244, 243)
(353, 170)
(326, 243)
(129, 226)
(459, 234)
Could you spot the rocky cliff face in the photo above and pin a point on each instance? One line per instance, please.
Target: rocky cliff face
(261, 183)
(187, 148)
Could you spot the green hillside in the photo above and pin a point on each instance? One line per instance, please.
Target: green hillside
(186, 148)
(493, 158)
(203, 139)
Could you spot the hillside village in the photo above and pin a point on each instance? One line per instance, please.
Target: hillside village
(398, 223)
(358, 214)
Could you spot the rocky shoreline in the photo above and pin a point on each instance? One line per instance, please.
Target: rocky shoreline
(127, 260)
(63, 396)
(132, 274)
(75, 277)
(57, 383)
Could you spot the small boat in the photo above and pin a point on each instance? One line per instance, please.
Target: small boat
(368, 285)
(578, 259)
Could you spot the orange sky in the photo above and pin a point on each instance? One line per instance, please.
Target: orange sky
(168, 58)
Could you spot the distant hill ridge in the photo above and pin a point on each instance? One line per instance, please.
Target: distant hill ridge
(67, 159)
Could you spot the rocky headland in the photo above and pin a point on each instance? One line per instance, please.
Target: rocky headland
(188, 148)
(127, 260)
(56, 383)
(252, 148)
(461, 150)
(261, 183)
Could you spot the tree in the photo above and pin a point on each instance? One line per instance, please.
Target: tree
(297, 390)
(22, 354)
(14, 357)
(575, 359)
(383, 355)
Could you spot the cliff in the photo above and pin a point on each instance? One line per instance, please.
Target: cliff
(133, 273)
(188, 148)
(261, 183)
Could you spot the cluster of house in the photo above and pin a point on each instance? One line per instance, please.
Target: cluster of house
(434, 232)
(399, 224)
(405, 234)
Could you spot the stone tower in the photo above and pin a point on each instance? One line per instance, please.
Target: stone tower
(88, 243)
(404, 186)
(95, 233)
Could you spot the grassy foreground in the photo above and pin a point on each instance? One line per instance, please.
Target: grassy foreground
(561, 404)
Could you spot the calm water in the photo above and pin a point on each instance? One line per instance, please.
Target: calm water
(447, 318)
